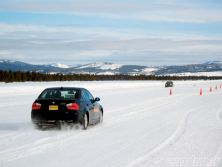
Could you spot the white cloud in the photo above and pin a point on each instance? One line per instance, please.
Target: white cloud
(181, 15)
(89, 32)
(94, 40)
(5, 52)
(49, 44)
(145, 11)
(95, 53)
(8, 54)
(68, 34)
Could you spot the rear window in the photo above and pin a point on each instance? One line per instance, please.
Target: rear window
(59, 94)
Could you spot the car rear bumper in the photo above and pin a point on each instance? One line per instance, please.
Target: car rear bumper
(49, 123)
(52, 117)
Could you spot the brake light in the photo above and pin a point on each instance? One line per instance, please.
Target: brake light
(72, 106)
(36, 106)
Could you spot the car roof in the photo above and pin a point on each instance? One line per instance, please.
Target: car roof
(76, 88)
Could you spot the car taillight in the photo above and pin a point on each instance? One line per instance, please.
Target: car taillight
(36, 106)
(72, 106)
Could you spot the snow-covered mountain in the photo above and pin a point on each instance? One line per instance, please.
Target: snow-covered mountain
(111, 69)
(59, 65)
(206, 69)
(104, 66)
(21, 66)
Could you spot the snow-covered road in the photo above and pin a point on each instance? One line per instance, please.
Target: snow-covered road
(143, 126)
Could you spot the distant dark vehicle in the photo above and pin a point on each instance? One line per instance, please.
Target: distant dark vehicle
(55, 106)
(169, 84)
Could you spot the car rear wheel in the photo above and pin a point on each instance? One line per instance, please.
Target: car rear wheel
(100, 117)
(37, 126)
(85, 121)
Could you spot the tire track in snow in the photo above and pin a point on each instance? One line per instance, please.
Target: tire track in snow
(127, 146)
(215, 161)
(43, 144)
(144, 136)
(131, 112)
(166, 143)
(140, 108)
(35, 147)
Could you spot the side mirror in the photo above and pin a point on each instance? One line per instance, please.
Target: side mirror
(97, 99)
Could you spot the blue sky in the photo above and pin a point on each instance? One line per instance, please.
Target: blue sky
(146, 32)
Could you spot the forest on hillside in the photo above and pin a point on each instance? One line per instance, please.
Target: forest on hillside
(18, 76)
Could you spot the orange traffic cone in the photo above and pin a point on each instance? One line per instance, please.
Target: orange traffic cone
(201, 92)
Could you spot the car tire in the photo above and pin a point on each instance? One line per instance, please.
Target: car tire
(100, 116)
(37, 126)
(85, 121)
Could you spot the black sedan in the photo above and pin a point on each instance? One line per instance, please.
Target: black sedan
(169, 84)
(66, 105)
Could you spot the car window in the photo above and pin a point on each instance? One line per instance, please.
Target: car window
(89, 95)
(59, 94)
(84, 96)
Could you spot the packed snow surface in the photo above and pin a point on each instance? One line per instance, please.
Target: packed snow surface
(143, 126)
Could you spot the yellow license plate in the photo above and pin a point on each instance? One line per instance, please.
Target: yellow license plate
(53, 107)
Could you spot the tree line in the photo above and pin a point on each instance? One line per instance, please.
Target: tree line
(18, 76)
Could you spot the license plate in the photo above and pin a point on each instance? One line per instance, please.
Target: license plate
(53, 107)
